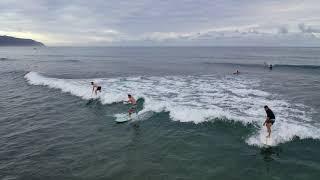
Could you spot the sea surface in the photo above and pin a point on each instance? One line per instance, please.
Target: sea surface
(196, 119)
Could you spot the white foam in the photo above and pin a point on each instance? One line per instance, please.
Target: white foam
(285, 131)
(140, 116)
(198, 99)
(81, 88)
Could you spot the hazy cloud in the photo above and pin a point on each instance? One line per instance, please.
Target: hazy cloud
(283, 30)
(162, 22)
(308, 29)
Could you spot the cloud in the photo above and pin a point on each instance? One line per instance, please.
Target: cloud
(283, 30)
(183, 22)
(308, 29)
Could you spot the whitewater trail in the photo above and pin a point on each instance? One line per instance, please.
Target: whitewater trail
(197, 99)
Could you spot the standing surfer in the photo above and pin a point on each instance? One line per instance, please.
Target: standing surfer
(270, 119)
(133, 103)
(95, 88)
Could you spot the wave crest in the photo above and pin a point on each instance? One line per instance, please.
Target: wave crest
(197, 99)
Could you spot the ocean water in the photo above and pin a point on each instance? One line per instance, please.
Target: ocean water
(196, 119)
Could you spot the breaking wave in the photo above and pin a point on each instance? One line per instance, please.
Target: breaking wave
(197, 99)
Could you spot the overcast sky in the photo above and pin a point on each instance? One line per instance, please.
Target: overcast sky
(163, 22)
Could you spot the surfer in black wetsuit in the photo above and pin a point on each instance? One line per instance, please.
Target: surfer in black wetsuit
(270, 119)
(95, 88)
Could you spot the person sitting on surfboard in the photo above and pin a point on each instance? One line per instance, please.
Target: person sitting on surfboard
(270, 119)
(133, 103)
(95, 88)
(237, 72)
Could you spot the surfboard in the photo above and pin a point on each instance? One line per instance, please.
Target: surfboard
(267, 141)
(121, 118)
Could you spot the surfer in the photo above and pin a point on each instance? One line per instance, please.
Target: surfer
(133, 103)
(237, 72)
(95, 88)
(270, 120)
(270, 67)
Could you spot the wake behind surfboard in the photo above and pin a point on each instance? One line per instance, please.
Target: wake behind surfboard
(124, 117)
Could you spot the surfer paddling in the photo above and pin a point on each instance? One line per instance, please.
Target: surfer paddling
(95, 88)
(133, 103)
(270, 120)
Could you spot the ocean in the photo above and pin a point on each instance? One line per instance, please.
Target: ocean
(196, 119)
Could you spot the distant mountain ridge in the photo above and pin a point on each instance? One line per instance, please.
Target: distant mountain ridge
(12, 41)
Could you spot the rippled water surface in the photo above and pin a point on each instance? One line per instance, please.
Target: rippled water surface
(196, 119)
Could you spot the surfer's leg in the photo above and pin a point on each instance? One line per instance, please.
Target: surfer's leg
(130, 112)
(269, 129)
(134, 109)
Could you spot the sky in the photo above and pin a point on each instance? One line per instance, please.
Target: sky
(163, 22)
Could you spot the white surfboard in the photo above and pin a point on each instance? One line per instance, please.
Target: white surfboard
(267, 141)
(121, 118)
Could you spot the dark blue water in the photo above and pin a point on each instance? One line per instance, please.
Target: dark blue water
(197, 120)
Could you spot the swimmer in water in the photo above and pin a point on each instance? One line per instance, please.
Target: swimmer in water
(270, 67)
